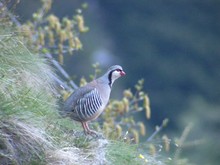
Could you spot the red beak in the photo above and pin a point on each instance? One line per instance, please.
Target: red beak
(122, 73)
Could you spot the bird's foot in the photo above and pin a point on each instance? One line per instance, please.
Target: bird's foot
(94, 134)
(90, 132)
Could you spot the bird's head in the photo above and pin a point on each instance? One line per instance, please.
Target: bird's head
(114, 72)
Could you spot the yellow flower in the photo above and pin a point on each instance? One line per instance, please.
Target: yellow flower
(126, 104)
(141, 156)
(142, 128)
(118, 130)
(147, 106)
(127, 93)
(81, 25)
(166, 142)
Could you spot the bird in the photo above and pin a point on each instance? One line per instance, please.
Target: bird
(88, 102)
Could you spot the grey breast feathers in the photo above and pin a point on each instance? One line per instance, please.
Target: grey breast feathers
(83, 104)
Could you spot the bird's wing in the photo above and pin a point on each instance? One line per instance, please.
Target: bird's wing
(86, 105)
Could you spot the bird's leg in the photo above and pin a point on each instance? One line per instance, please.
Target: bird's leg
(84, 127)
(87, 130)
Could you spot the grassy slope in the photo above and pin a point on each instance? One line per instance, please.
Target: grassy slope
(31, 130)
(26, 102)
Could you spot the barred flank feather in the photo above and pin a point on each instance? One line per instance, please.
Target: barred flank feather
(88, 105)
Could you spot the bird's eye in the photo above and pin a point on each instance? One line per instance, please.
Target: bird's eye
(118, 70)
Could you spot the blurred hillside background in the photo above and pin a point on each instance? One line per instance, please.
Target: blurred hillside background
(173, 45)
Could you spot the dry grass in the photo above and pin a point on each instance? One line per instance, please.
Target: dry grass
(22, 143)
(26, 102)
(94, 154)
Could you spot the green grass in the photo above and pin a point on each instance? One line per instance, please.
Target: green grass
(119, 152)
(27, 103)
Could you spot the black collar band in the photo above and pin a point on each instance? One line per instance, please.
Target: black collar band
(110, 78)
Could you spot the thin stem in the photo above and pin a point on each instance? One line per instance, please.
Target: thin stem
(164, 123)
